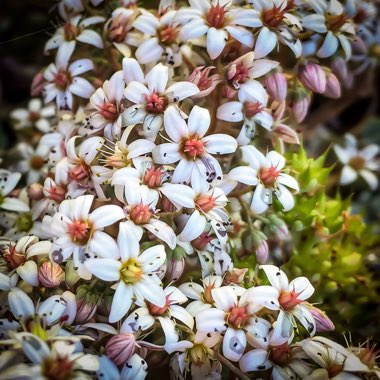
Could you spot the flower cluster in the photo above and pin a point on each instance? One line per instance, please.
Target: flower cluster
(127, 224)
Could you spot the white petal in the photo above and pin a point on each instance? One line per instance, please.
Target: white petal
(193, 29)
(91, 37)
(329, 46)
(157, 78)
(81, 87)
(180, 195)
(303, 287)
(121, 302)
(166, 153)
(276, 277)
(14, 204)
(106, 215)
(234, 343)
(255, 360)
(149, 290)
(370, 178)
(259, 204)
(181, 90)
(64, 53)
(303, 314)
(105, 269)
(129, 240)
(162, 231)
(152, 258)
(231, 111)
(104, 245)
(182, 315)
(211, 320)
(80, 66)
(147, 23)
(216, 41)
(244, 174)
(20, 304)
(348, 175)
(241, 34)
(225, 298)
(132, 71)
(261, 67)
(136, 92)
(184, 171)
(194, 227)
(149, 51)
(175, 125)
(29, 272)
(288, 181)
(219, 143)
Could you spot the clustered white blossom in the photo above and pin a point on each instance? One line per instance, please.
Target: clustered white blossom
(118, 252)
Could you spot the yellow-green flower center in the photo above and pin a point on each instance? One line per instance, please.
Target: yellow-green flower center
(131, 271)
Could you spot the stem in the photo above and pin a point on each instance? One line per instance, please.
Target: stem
(230, 366)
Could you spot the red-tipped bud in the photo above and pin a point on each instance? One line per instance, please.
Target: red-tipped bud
(299, 105)
(313, 77)
(50, 274)
(276, 85)
(333, 89)
(120, 348)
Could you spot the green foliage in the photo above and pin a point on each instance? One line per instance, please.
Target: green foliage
(330, 247)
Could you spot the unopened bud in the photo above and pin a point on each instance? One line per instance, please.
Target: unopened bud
(35, 192)
(166, 205)
(50, 274)
(313, 77)
(175, 263)
(286, 134)
(87, 303)
(322, 321)
(339, 68)
(262, 252)
(235, 276)
(300, 102)
(333, 89)
(120, 348)
(276, 85)
(277, 227)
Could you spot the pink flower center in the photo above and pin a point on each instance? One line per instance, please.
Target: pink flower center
(62, 79)
(57, 193)
(71, 31)
(289, 300)
(79, 172)
(269, 176)
(357, 162)
(216, 16)
(205, 202)
(153, 177)
(156, 103)
(238, 316)
(13, 258)
(109, 111)
(280, 354)
(238, 73)
(274, 16)
(168, 35)
(79, 231)
(193, 148)
(117, 29)
(158, 311)
(252, 109)
(140, 214)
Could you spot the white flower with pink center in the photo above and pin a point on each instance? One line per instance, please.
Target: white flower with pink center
(291, 303)
(63, 80)
(191, 148)
(219, 20)
(151, 96)
(135, 272)
(77, 232)
(266, 174)
(75, 29)
(234, 315)
(107, 101)
(140, 209)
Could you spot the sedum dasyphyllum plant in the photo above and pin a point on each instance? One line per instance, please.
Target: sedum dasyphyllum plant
(159, 182)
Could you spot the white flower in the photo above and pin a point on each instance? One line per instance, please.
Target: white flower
(151, 96)
(76, 231)
(74, 29)
(35, 115)
(250, 108)
(330, 17)
(63, 79)
(291, 297)
(265, 172)
(8, 182)
(234, 317)
(218, 19)
(278, 23)
(335, 361)
(358, 162)
(107, 101)
(162, 31)
(44, 359)
(191, 147)
(140, 210)
(135, 273)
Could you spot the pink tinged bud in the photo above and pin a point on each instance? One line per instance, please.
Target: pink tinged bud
(339, 68)
(174, 269)
(85, 311)
(322, 321)
(286, 134)
(38, 84)
(262, 252)
(228, 92)
(166, 205)
(300, 106)
(333, 89)
(35, 192)
(120, 348)
(276, 86)
(313, 77)
(50, 274)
